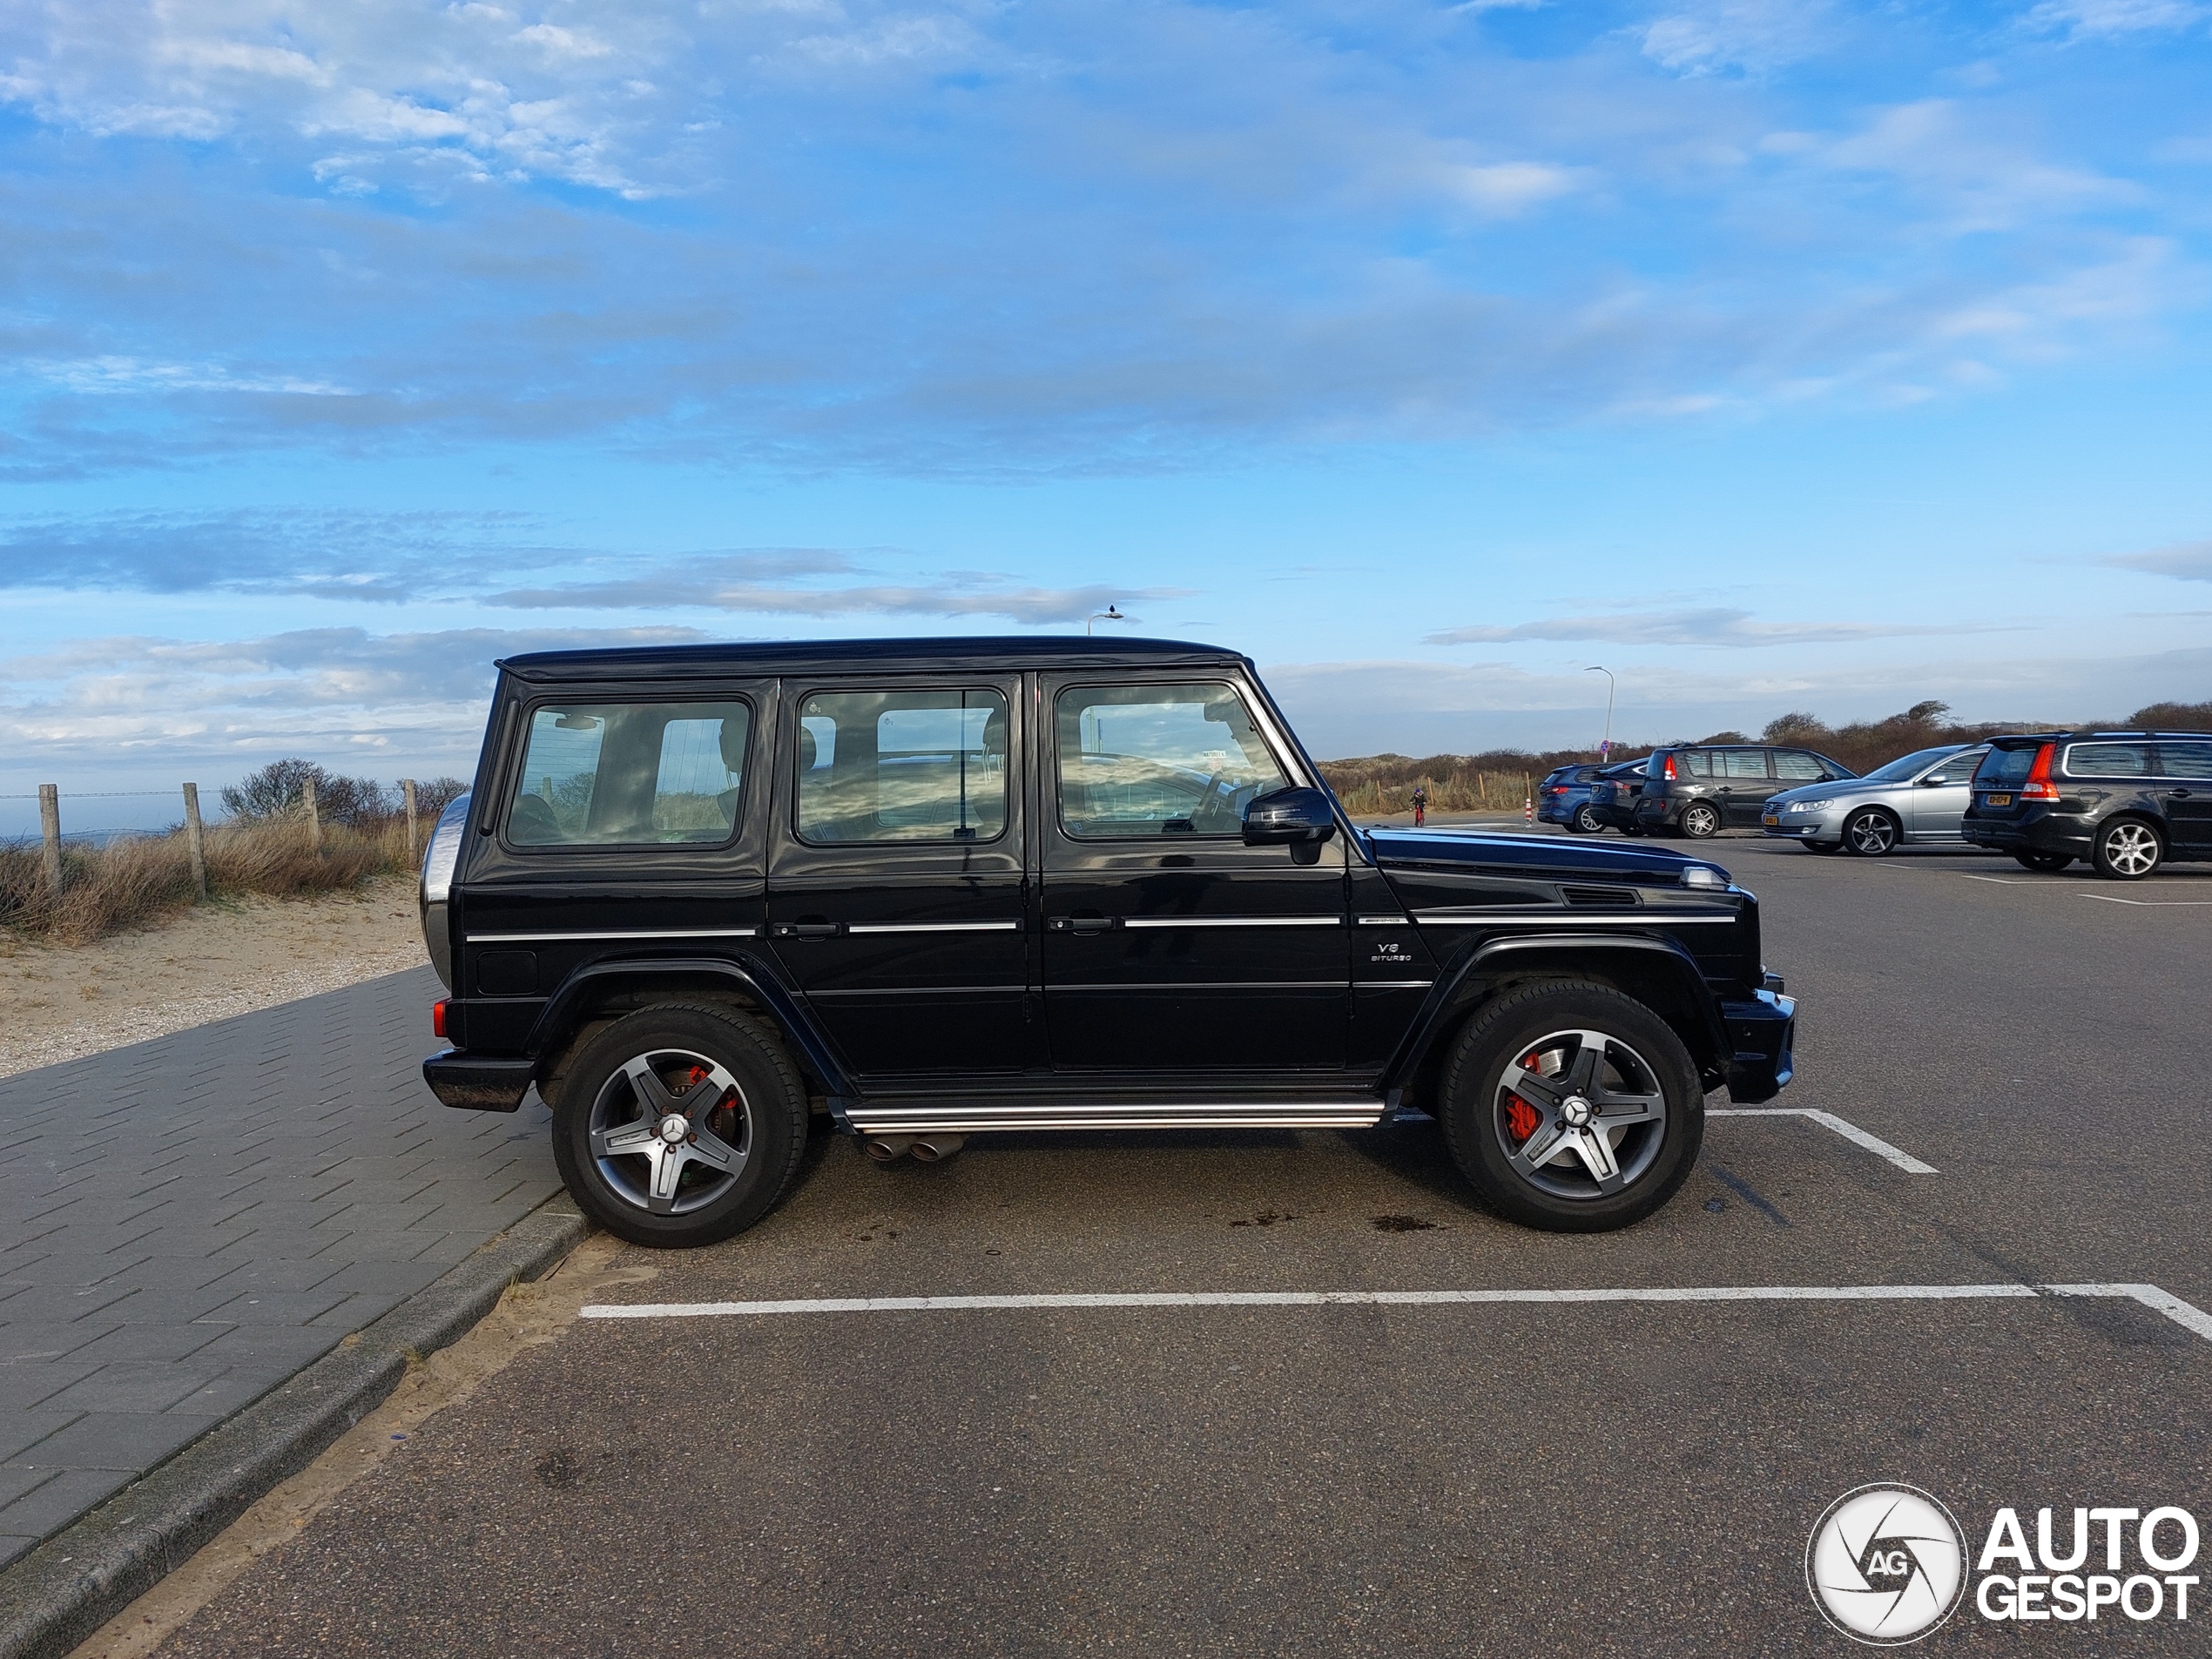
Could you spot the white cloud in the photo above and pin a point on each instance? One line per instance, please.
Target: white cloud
(2093, 18)
(1752, 35)
(1710, 625)
(2190, 561)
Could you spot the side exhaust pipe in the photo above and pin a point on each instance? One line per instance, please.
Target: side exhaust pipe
(936, 1148)
(887, 1149)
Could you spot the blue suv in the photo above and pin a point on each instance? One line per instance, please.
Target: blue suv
(1567, 795)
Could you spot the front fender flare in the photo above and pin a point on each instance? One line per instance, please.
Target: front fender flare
(1469, 984)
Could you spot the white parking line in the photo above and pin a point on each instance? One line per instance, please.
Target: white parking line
(2148, 904)
(1851, 1132)
(2183, 1313)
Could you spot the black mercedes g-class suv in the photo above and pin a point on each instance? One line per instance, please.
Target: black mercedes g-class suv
(702, 895)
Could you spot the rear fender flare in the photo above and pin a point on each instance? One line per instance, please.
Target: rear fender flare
(563, 1010)
(1658, 972)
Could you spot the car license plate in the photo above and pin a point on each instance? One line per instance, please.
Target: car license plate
(1772, 821)
(1997, 800)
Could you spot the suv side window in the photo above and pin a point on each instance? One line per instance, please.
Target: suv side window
(902, 766)
(1691, 763)
(1797, 767)
(1158, 759)
(1743, 763)
(2107, 760)
(2185, 760)
(616, 774)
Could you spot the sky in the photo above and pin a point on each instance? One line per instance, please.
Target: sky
(1772, 356)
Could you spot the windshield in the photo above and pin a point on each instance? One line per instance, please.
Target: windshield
(1906, 765)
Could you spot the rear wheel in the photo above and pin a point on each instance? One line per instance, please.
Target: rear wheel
(1633, 830)
(2049, 863)
(1871, 832)
(2127, 849)
(679, 1124)
(1701, 822)
(1572, 1108)
(1587, 820)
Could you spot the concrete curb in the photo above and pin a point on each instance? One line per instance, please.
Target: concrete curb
(59, 1593)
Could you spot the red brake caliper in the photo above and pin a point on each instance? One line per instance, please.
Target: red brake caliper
(1520, 1117)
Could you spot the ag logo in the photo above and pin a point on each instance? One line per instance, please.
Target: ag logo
(1886, 1564)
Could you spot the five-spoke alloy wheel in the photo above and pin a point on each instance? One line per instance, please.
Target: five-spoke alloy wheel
(1870, 833)
(1572, 1107)
(2127, 849)
(679, 1124)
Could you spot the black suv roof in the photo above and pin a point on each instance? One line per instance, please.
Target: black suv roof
(2022, 739)
(801, 655)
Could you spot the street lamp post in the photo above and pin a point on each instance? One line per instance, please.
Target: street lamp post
(1108, 615)
(1605, 749)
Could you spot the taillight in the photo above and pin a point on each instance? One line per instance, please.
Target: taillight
(1670, 768)
(438, 1018)
(1558, 789)
(2039, 786)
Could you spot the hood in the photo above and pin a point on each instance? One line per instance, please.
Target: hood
(1530, 854)
(1837, 787)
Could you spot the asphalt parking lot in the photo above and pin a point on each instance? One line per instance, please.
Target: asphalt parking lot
(1524, 1476)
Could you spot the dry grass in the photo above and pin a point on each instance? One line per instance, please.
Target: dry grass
(1456, 783)
(141, 880)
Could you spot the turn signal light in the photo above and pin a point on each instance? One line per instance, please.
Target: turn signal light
(2039, 786)
(438, 1018)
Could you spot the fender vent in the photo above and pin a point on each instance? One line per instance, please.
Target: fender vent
(1614, 896)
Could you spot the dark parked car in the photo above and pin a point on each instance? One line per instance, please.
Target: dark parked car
(1613, 798)
(1568, 794)
(706, 898)
(2126, 801)
(1699, 789)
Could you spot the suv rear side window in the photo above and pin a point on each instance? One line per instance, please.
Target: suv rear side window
(1692, 763)
(625, 774)
(1743, 763)
(1159, 760)
(1798, 766)
(2107, 760)
(2185, 760)
(902, 767)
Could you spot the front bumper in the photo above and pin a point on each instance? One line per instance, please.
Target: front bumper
(1762, 1034)
(1802, 826)
(459, 1079)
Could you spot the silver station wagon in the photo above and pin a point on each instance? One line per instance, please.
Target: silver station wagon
(1920, 797)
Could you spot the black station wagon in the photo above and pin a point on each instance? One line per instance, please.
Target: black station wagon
(708, 898)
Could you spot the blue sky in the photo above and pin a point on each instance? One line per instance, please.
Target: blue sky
(1774, 355)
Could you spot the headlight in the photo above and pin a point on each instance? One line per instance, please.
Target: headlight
(1806, 806)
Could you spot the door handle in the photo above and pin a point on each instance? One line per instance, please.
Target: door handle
(1080, 924)
(804, 930)
(2179, 794)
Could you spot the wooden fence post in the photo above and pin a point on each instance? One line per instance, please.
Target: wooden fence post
(195, 843)
(407, 789)
(314, 819)
(50, 832)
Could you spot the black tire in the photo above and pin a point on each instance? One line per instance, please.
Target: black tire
(1701, 821)
(1822, 846)
(1586, 820)
(2127, 849)
(1871, 832)
(1654, 1156)
(2048, 863)
(757, 1119)
(1633, 830)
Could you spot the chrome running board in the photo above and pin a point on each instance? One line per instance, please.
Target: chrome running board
(969, 1118)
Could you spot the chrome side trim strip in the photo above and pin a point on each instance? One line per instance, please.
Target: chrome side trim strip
(1649, 919)
(1185, 986)
(1380, 921)
(644, 933)
(954, 1118)
(921, 990)
(1392, 984)
(1232, 922)
(933, 927)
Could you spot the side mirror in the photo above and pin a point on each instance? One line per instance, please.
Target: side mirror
(1298, 818)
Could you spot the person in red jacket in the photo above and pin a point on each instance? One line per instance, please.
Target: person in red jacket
(1420, 806)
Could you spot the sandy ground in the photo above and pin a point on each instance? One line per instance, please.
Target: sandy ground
(213, 961)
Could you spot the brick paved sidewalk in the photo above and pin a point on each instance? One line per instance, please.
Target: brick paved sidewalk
(186, 1222)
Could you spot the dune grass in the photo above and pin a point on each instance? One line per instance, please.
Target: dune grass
(139, 880)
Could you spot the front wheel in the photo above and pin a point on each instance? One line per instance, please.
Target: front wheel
(1870, 835)
(2128, 850)
(679, 1124)
(2048, 863)
(1572, 1108)
(1587, 820)
(1701, 822)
